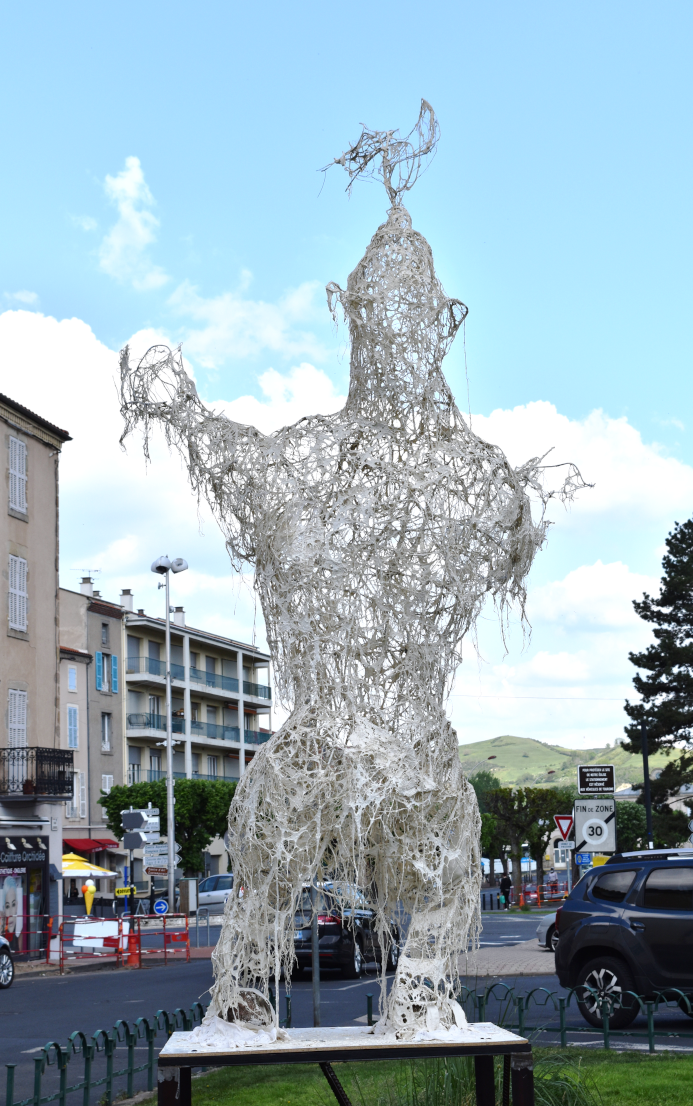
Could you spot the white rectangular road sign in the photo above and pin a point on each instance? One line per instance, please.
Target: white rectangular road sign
(160, 850)
(595, 825)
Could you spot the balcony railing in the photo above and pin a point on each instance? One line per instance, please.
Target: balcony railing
(154, 722)
(137, 774)
(197, 729)
(154, 668)
(258, 690)
(36, 773)
(211, 679)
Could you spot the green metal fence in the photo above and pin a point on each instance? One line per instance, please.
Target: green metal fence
(106, 1046)
(516, 1011)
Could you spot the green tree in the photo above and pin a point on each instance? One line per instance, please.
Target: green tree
(526, 814)
(631, 827)
(666, 683)
(492, 838)
(202, 810)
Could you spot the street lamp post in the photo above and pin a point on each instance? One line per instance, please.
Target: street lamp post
(164, 566)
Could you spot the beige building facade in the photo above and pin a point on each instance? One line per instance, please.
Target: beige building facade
(35, 772)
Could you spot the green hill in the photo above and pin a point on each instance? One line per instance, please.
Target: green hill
(524, 762)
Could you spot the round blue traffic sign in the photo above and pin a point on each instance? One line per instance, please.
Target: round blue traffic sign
(160, 906)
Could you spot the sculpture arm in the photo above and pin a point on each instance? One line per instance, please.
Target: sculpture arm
(226, 460)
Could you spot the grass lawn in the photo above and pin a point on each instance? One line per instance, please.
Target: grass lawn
(608, 1078)
(637, 1078)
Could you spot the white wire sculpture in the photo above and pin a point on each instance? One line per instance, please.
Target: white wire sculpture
(377, 535)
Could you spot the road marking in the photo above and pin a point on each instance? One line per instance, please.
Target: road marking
(26, 1051)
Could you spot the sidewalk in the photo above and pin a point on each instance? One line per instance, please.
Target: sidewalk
(525, 958)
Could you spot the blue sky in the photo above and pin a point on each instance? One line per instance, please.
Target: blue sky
(161, 178)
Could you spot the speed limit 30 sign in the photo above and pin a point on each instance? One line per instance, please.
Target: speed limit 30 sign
(595, 825)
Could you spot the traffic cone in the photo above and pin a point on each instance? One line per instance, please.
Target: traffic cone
(133, 950)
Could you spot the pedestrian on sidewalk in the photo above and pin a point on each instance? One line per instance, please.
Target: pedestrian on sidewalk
(505, 885)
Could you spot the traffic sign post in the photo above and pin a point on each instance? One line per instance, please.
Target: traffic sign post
(142, 827)
(595, 825)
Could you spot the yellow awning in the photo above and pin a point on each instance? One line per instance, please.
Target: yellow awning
(78, 868)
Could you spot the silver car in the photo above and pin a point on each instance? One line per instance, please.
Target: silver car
(6, 964)
(214, 891)
(547, 935)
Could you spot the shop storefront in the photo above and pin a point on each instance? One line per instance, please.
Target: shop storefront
(24, 891)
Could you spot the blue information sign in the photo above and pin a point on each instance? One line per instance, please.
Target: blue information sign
(160, 906)
(582, 859)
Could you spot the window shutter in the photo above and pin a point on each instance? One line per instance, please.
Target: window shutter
(99, 671)
(17, 475)
(82, 795)
(72, 727)
(18, 593)
(16, 712)
(114, 673)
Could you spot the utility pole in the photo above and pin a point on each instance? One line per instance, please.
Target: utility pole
(646, 788)
(315, 942)
(164, 567)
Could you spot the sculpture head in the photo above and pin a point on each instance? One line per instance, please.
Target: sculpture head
(400, 319)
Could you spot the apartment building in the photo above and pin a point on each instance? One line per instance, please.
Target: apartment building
(91, 719)
(35, 772)
(221, 699)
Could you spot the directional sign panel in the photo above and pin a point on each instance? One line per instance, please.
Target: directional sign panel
(596, 779)
(137, 839)
(140, 819)
(595, 825)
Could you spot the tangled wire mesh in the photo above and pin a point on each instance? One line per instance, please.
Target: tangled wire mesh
(377, 535)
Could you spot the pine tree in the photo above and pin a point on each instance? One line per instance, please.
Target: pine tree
(666, 683)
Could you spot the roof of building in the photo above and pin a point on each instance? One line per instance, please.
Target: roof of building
(18, 409)
(176, 628)
(102, 606)
(82, 653)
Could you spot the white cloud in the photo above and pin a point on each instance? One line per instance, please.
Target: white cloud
(632, 480)
(233, 326)
(304, 390)
(26, 299)
(591, 596)
(84, 222)
(124, 250)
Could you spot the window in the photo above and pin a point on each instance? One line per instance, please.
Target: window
(104, 633)
(17, 475)
(224, 883)
(71, 679)
(133, 653)
(106, 785)
(669, 889)
(18, 593)
(208, 884)
(613, 886)
(155, 764)
(72, 727)
(212, 767)
(106, 721)
(16, 719)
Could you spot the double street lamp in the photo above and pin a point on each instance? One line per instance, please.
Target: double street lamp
(164, 567)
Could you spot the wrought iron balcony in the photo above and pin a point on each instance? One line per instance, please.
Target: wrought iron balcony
(144, 665)
(211, 679)
(36, 773)
(258, 690)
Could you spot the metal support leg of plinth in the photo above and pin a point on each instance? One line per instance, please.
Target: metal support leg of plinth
(174, 1087)
(522, 1077)
(337, 1088)
(485, 1083)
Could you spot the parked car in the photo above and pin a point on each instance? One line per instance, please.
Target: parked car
(214, 891)
(347, 935)
(628, 926)
(547, 934)
(6, 964)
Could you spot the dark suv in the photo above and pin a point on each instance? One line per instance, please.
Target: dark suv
(628, 926)
(347, 936)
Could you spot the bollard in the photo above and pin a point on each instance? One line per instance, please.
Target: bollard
(288, 1011)
(650, 1025)
(606, 1018)
(561, 1014)
(9, 1098)
(369, 1009)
